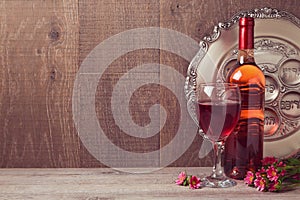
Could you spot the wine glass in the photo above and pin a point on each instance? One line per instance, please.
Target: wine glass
(215, 107)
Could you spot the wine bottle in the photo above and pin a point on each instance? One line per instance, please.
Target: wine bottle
(244, 147)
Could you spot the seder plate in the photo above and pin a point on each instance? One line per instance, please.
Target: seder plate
(277, 52)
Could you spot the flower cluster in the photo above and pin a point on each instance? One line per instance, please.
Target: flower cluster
(188, 180)
(275, 175)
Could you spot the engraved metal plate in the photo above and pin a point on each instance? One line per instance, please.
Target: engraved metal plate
(277, 52)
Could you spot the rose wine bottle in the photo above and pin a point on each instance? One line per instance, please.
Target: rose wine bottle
(244, 147)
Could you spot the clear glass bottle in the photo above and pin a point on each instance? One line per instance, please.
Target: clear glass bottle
(244, 147)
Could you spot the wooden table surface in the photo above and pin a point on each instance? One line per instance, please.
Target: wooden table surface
(106, 183)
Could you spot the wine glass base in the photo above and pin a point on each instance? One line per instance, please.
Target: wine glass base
(222, 182)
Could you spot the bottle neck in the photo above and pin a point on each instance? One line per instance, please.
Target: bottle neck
(246, 41)
(246, 56)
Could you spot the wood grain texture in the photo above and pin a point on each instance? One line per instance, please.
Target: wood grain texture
(95, 184)
(39, 59)
(100, 21)
(44, 43)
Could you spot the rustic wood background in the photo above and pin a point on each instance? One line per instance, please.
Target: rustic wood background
(44, 42)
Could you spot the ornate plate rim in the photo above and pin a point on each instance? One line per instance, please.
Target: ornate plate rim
(260, 13)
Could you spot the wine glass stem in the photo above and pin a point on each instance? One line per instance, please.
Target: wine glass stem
(217, 168)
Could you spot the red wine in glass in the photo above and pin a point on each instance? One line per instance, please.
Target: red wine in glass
(215, 107)
(218, 118)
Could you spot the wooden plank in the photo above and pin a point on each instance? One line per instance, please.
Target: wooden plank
(39, 51)
(110, 184)
(100, 21)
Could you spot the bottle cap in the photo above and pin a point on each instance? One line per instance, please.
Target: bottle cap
(246, 33)
(246, 21)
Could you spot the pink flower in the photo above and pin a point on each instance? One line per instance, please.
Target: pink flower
(275, 175)
(195, 182)
(260, 183)
(249, 178)
(283, 172)
(269, 160)
(181, 178)
(274, 186)
(260, 172)
(281, 164)
(272, 173)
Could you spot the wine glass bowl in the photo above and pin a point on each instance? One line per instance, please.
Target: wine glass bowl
(215, 108)
(219, 110)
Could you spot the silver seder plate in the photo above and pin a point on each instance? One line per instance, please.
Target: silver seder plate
(277, 52)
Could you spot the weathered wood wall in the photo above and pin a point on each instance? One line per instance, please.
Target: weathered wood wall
(42, 46)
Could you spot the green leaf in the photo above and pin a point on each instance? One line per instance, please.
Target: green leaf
(293, 161)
